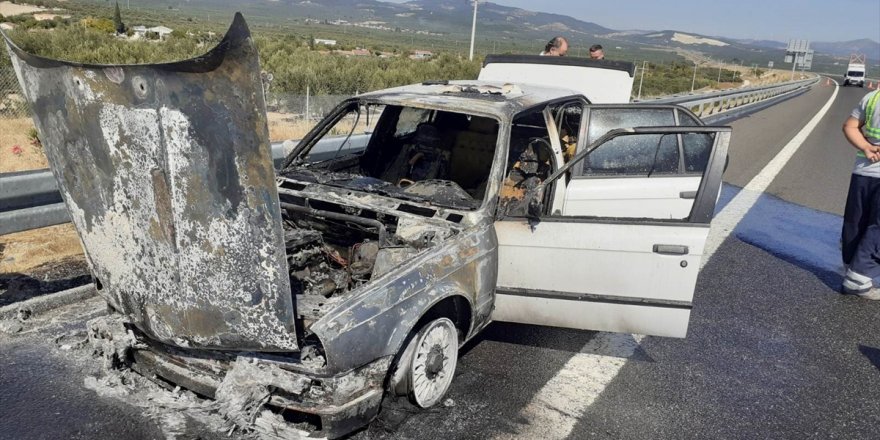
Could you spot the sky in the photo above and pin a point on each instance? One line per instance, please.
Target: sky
(780, 20)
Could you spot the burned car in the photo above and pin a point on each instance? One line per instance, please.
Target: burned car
(404, 223)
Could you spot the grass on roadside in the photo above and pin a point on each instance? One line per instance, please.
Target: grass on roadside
(17, 153)
(24, 251)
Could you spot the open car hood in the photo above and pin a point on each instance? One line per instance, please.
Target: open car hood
(167, 174)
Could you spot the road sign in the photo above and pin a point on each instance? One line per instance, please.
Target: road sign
(799, 54)
(807, 60)
(798, 46)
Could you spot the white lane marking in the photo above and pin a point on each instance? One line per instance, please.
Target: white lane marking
(559, 404)
(725, 222)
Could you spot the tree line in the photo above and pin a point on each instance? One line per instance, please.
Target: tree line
(288, 58)
(294, 61)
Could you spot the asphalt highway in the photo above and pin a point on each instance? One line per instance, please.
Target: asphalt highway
(773, 350)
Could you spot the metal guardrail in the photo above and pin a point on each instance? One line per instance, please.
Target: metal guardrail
(30, 199)
(714, 103)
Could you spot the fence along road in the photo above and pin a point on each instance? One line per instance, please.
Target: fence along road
(30, 199)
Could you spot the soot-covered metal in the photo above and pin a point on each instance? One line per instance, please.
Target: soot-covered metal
(167, 174)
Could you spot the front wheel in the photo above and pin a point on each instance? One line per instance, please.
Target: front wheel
(427, 365)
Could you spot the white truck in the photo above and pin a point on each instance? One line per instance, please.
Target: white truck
(855, 71)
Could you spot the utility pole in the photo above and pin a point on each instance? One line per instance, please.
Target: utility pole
(694, 79)
(642, 79)
(719, 74)
(473, 30)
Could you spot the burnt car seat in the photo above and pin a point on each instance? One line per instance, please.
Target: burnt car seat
(472, 155)
(426, 157)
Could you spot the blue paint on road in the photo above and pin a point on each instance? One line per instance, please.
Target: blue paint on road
(805, 237)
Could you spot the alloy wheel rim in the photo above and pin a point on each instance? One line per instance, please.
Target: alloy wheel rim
(434, 362)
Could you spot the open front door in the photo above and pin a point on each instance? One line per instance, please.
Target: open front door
(633, 275)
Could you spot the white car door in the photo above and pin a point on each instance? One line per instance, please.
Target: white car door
(634, 275)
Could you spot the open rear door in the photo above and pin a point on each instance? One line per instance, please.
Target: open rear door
(167, 174)
(633, 275)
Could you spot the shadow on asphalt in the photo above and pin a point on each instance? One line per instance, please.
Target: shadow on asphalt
(545, 338)
(873, 354)
(567, 340)
(45, 279)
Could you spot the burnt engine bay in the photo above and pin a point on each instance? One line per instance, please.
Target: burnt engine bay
(334, 249)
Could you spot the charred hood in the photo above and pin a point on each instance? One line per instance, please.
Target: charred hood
(167, 174)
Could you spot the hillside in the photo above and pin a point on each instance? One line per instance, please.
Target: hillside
(444, 25)
(504, 24)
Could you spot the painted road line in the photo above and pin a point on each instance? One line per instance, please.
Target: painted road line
(559, 404)
(725, 222)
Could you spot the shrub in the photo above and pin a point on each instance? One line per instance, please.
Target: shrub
(104, 25)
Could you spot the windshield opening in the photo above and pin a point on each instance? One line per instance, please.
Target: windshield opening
(433, 156)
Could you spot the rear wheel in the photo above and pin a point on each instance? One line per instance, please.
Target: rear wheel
(425, 369)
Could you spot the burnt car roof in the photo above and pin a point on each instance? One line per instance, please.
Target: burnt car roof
(473, 96)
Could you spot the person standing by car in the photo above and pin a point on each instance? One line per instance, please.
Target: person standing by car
(596, 52)
(556, 47)
(860, 237)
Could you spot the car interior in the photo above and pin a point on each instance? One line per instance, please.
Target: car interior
(419, 148)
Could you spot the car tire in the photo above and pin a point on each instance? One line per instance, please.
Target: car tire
(427, 364)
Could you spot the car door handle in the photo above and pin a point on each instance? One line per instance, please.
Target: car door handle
(670, 249)
(688, 194)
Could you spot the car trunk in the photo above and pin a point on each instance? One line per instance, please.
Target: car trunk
(167, 174)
